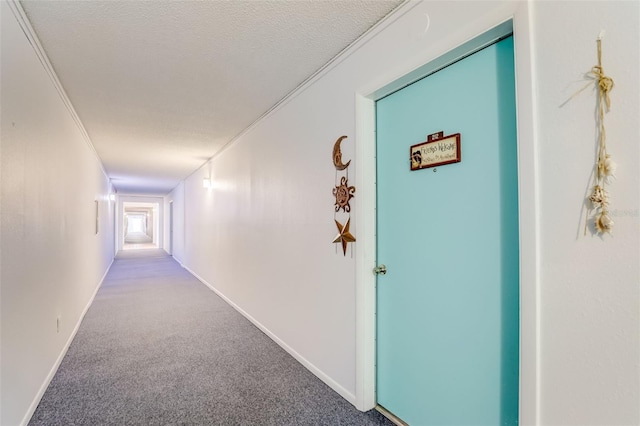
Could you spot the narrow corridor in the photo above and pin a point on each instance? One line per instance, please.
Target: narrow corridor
(158, 347)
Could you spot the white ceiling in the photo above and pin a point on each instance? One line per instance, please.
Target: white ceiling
(161, 86)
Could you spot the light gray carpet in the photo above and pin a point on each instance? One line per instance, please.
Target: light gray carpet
(157, 347)
(137, 238)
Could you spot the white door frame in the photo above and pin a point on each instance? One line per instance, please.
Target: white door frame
(365, 212)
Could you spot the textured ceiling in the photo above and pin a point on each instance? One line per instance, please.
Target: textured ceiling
(161, 86)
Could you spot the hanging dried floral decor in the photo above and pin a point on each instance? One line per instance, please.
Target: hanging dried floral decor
(604, 169)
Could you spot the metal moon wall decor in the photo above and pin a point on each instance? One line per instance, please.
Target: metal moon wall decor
(343, 194)
(337, 155)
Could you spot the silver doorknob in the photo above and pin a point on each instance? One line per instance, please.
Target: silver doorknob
(380, 270)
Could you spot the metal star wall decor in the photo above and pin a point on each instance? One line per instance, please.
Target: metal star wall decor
(344, 236)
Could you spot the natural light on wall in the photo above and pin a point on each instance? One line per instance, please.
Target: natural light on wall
(137, 223)
(140, 225)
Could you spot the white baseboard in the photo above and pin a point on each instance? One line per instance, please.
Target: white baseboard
(308, 365)
(181, 264)
(56, 365)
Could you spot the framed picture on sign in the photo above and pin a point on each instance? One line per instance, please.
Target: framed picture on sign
(438, 150)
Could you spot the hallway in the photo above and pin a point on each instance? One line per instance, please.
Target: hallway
(214, 125)
(159, 347)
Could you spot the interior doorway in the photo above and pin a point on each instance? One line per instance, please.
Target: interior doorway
(140, 225)
(448, 300)
(171, 228)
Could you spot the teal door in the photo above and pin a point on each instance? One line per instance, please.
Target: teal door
(447, 314)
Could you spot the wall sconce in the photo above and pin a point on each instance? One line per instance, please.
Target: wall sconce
(112, 197)
(206, 183)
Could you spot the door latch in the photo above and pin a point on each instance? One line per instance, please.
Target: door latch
(380, 270)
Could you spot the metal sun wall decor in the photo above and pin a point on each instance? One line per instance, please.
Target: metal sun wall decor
(604, 169)
(343, 194)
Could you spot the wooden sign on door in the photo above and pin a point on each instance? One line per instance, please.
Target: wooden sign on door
(437, 150)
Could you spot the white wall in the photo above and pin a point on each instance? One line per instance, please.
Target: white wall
(590, 299)
(262, 236)
(52, 260)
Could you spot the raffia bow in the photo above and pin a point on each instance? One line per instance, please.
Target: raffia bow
(605, 83)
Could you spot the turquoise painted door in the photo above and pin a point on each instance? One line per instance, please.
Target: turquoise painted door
(448, 314)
